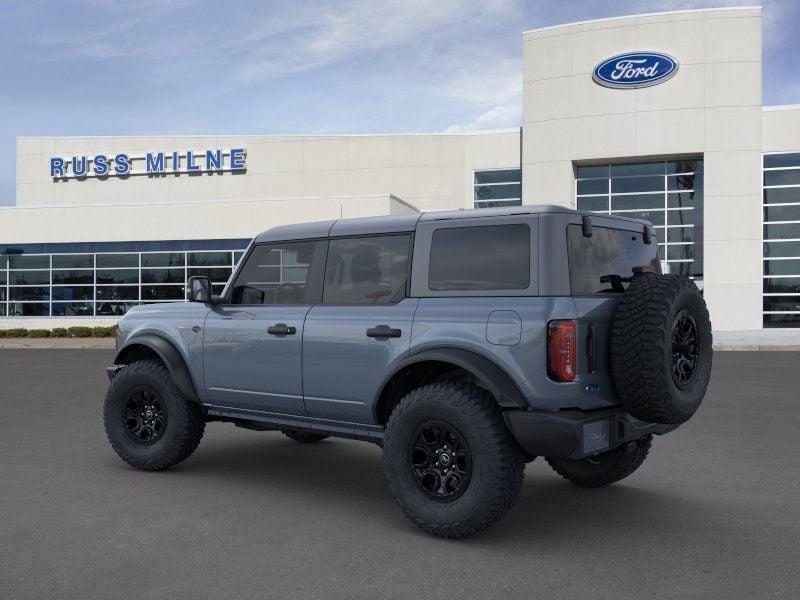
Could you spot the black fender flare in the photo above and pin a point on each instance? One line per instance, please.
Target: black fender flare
(170, 356)
(495, 379)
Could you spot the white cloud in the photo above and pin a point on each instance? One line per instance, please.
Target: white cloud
(497, 117)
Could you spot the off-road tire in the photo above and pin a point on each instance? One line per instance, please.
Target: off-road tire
(498, 462)
(606, 468)
(184, 427)
(305, 437)
(642, 348)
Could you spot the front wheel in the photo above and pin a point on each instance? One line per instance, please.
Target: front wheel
(150, 425)
(452, 465)
(606, 468)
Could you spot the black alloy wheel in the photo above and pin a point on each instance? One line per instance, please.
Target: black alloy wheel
(685, 348)
(145, 416)
(441, 461)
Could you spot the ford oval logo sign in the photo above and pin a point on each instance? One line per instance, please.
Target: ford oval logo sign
(635, 70)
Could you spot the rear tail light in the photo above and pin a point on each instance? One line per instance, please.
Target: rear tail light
(561, 350)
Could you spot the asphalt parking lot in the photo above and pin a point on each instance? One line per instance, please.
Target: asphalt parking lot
(713, 513)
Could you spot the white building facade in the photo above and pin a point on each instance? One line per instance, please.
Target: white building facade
(102, 224)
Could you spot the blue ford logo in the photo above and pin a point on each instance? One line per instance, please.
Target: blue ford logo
(635, 70)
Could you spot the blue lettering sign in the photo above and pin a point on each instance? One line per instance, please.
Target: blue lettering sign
(213, 160)
(190, 166)
(121, 164)
(100, 165)
(155, 163)
(237, 159)
(635, 70)
(79, 168)
(176, 162)
(56, 167)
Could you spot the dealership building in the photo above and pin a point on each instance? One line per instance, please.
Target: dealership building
(653, 116)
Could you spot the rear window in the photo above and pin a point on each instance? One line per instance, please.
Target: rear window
(492, 257)
(608, 252)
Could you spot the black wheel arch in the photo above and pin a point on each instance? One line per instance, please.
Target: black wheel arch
(147, 345)
(426, 365)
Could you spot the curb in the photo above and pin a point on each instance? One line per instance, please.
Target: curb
(57, 343)
(756, 348)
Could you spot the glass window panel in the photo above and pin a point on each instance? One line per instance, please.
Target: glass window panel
(593, 203)
(662, 252)
(593, 186)
(625, 169)
(684, 217)
(73, 277)
(113, 308)
(2, 277)
(295, 274)
(29, 277)
(73, 293)
(498, 176)
(163, 276)
(656, 217)
(607, 252)
(496, 203)
(680, 251)
(123, 292)
(685, 200)
(778, 321)
(640, 201)
(29, 309)
(683, 234)
(3, 262)
(788, 177)
(782, 231)
(29, 293)
(492, 257)
(782, 267)
(218, 274)
(791, 303)
(73, 309)
(163, 259)
(118, 276)
(237, 257)
(684, 182)
(73, 261)
(210, 259)
(782, 285)
(117, 260)
(162, 292)
(217, 288)
(782, 160)
(781, 249)
(2, 310)
(2, 294)
(26, 261)
(637, 184)
(679, 268)
(498, 192)
(782, 213)
(259, 279)
(589, 171)
(782, 195)
(369, 270)
(684, 166)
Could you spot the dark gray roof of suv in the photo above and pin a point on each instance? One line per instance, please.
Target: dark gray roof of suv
(395, 223)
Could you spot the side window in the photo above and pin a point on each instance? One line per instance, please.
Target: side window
(275, 274)
(368, 270)
(491, 257)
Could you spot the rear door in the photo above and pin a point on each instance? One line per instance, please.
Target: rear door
(362, 325)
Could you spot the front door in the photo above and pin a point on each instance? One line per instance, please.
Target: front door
(252, 341)
(362, 326)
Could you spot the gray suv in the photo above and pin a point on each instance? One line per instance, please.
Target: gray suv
(464, 343)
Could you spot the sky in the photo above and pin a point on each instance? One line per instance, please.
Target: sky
(161, 67)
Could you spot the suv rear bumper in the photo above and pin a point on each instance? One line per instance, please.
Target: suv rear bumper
(576, 434)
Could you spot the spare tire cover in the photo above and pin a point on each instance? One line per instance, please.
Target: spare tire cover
(661, 348)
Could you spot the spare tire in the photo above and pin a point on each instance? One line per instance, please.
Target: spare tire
(661, 348)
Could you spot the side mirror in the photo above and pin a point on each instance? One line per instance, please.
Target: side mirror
(199, 289)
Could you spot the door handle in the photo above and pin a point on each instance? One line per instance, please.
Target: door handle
(383, 331)
(281, 329)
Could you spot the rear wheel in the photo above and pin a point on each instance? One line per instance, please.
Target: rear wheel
(150, 425)
(453, 468)
(606, 468)
(304, 436)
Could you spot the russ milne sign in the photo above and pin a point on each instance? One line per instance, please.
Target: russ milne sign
(635, 70)
(151, 163)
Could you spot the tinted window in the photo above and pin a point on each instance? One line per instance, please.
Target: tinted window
(369, 270)
(493, 257)
(607, 252)
(275, 274)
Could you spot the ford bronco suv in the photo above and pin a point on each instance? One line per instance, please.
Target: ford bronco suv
(464, 343)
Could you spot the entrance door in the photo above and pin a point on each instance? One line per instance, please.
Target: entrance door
(362, 326)
(253, 340)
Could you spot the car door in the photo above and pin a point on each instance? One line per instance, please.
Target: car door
(362, 326)
(253, 340)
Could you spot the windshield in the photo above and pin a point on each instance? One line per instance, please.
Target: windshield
(603, 263)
